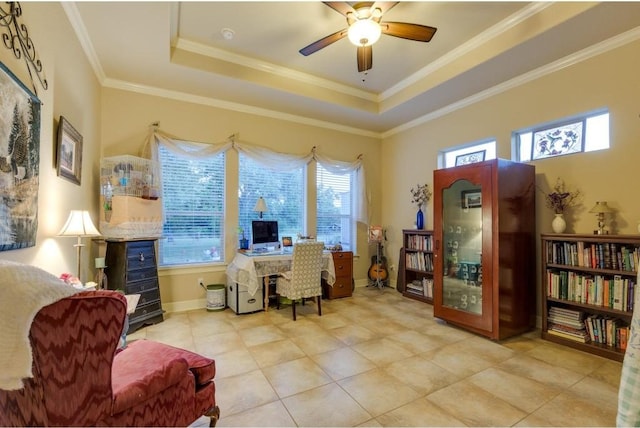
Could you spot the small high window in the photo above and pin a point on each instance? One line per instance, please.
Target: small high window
(468, 153)
(584, 133)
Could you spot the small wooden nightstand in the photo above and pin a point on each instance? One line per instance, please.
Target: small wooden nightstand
(343, 287)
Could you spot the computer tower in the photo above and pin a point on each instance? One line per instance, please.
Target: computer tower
(240, 301)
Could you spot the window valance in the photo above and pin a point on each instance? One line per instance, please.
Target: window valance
(269, 158)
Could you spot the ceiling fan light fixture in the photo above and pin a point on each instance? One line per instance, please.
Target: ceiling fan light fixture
(364, 32)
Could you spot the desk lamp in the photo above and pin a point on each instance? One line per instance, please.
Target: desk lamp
(261, 206)
(79, 225)
(600, 209)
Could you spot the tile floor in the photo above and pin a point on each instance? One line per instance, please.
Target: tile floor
(380, 359)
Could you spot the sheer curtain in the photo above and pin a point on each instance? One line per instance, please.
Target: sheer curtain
(269, 158)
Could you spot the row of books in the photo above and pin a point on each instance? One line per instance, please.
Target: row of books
(607, 331)
(592, 329)
(611, 291)
(423, 287)
(419, 261)
(420, 242)
(606, 255)
(567, 323)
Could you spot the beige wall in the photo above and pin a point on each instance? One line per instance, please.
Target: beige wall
(129, 115)
(609, 80)
(74, 93)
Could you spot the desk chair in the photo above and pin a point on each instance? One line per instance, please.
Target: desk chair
(303, 281)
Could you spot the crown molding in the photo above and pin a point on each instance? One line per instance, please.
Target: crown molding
(580, 56)
(81, 33)
(232, 106)
(271, 68)
(476, 42)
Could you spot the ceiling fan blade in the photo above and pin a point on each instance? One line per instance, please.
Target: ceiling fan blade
(323, 42)
(365, 58)
(384, 6)
(420, 33)
(341, 7)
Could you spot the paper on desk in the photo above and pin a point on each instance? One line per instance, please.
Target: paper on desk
(132, 302)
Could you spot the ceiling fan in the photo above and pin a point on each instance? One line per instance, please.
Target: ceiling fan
(365, 27)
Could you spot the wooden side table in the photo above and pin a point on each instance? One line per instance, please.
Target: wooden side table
(343, 287)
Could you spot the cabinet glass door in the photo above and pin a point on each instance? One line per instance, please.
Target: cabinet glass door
(462, 246)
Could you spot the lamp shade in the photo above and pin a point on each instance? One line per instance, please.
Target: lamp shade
(79, 224)
(261, 206)
(600, 207)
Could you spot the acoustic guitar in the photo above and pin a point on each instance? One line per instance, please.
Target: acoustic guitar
(378, 271)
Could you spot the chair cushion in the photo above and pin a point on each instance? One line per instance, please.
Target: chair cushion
(139, 376)
(203, 368)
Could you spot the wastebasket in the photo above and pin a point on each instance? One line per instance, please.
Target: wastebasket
(216, 295)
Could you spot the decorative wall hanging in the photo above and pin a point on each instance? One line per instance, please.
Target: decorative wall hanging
(16, 38)
(19, 162)
(69, 157)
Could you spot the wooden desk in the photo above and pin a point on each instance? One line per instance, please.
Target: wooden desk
(247, 269)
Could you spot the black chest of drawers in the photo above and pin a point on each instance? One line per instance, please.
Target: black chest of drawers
(131, 267)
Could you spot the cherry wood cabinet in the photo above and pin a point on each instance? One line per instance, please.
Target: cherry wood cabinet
(484, 239)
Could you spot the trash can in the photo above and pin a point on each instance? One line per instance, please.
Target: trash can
(216, 294)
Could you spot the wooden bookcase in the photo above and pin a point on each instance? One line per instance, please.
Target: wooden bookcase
(417, 264)
(594, 276)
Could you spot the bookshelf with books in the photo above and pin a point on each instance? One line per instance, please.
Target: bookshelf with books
(588, 289)
(417, 264)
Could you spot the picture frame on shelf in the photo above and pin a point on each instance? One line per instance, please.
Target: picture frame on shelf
(287, 241)
(471, 198)
(375, 234)
(469, 158)
(69, 152)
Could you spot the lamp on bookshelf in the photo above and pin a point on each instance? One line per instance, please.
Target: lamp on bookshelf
(600, 209)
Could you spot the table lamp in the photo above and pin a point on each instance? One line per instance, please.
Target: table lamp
(261, 206)
(600, 209)
(79, 225)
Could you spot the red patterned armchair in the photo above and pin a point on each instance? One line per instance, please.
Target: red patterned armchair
(81, 378)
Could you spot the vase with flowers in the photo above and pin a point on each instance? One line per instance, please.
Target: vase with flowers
(559, 200)
(421, 194)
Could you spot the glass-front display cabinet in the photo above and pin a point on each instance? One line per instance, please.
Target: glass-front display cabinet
(484, 232)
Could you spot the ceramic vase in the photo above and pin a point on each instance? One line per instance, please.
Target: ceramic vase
(559, 224)
(420, 218)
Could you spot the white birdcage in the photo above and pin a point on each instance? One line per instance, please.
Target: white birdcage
(130, 198)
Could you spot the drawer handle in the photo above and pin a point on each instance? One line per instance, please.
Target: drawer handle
(141, 257)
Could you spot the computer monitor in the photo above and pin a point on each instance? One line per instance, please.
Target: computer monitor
(264, 234)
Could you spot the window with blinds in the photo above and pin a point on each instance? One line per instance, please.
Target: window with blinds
(193, 200)
(335, 208)
(283, 192)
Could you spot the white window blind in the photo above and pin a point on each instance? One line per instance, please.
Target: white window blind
(193, 200)
(283, 192)
(335, 208)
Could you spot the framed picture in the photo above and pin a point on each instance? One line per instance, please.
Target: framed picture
(375, 234)
(471, 198)
(287, 241)
(19, 162)
(69, 153)
(470, 158)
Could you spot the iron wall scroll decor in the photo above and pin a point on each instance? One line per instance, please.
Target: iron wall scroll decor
(19, 163)
(16, 38)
